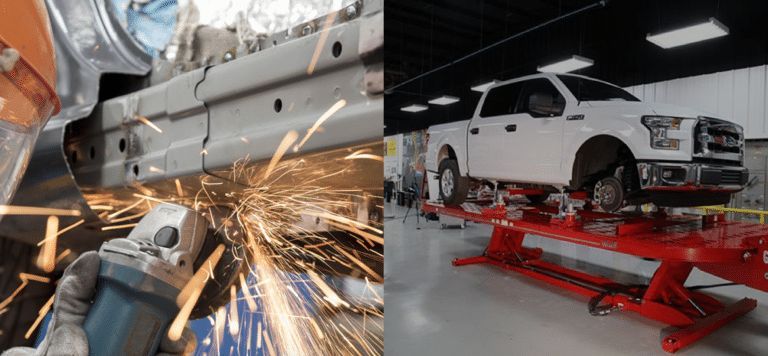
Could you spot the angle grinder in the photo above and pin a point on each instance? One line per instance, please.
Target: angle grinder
(141, 276)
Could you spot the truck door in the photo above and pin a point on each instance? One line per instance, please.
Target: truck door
(523, 143)
(487, 136)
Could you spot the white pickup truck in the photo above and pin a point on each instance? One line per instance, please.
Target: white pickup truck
(564, 133)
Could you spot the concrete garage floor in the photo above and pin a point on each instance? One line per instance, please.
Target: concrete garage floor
(433, 308)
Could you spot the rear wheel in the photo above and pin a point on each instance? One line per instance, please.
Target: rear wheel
(609, 194)
(453, 187)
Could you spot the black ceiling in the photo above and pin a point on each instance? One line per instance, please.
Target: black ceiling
(421, 35)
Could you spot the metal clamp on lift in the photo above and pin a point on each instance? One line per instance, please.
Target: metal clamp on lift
(735, 251)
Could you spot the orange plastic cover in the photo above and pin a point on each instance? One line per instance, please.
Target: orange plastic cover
(27, 85)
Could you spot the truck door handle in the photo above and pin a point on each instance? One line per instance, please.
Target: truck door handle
(474, 130)
(510, 128)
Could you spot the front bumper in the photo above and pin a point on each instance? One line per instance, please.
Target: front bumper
(691, 176)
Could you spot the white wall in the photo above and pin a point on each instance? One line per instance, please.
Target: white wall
(737, 95)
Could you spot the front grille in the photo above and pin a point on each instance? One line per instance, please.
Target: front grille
(714, 176)
(713, 136)
(734, 177)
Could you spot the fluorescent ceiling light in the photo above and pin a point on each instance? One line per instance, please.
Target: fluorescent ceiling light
(483, 87)
(414, 108)
(444, 100)
(567, 65)
(690, 34)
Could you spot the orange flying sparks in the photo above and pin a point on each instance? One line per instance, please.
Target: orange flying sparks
(40, 316)
(286, 143)
(234, 320)
(327, 114)
(46, 259)
(31, 210)
(146, 121)
(188, 296)
(25, 278)
(283, 207)
(321, 42)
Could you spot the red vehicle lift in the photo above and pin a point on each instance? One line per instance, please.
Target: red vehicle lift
(735, 251)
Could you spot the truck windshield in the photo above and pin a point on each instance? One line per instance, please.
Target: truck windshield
(592, 90)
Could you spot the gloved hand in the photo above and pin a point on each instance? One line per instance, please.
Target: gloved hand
(65, 334)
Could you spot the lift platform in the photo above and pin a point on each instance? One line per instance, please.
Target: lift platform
(732, 250)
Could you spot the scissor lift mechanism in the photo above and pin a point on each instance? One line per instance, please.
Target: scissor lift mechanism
(735, 251)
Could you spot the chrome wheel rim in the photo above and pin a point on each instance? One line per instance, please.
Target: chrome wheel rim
(446, 182)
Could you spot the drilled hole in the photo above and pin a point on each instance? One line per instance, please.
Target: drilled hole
(182, 263)
(92, 152)
(136, 169)
(336, 49)
(122, 145)
(278, 105)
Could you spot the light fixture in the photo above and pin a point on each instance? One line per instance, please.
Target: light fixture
(414, 108)
(689, 34)
(444, 100)
(483, 87)
(567, 65)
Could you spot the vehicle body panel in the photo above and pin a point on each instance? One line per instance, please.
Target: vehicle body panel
(510, 135)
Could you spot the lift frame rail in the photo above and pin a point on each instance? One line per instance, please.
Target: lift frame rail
(735, 251)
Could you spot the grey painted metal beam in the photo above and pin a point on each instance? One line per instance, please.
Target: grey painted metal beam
(209, 108)
(238, 109)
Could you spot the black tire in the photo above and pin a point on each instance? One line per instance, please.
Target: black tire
(17, 257)
(449, 169)
(537, 198)
(609, 194)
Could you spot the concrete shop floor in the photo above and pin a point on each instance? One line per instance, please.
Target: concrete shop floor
(433, 308)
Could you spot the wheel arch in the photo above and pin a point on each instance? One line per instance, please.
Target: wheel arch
(445, 151)
(595, 155)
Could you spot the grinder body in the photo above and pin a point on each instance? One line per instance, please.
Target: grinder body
(139, 279)
(130, 313)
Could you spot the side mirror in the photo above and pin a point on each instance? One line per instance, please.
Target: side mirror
(544, 104)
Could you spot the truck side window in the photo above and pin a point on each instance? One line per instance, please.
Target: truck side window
(501, 100)
(540, 98)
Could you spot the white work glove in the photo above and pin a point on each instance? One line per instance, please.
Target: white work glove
(74, 293)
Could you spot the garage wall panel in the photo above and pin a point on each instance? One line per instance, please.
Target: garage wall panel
(756, 99)
(707, 86)
(741, 99)
(725, 94)
(661, 91)
(649, 90)
(633, 90)
(738, 95)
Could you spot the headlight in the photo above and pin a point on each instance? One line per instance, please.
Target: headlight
(659, 125)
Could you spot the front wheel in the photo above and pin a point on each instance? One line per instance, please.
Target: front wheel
(538, 198)
(453, 187)
(609, 194)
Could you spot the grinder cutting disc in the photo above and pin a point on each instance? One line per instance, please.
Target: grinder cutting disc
(227, 231)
